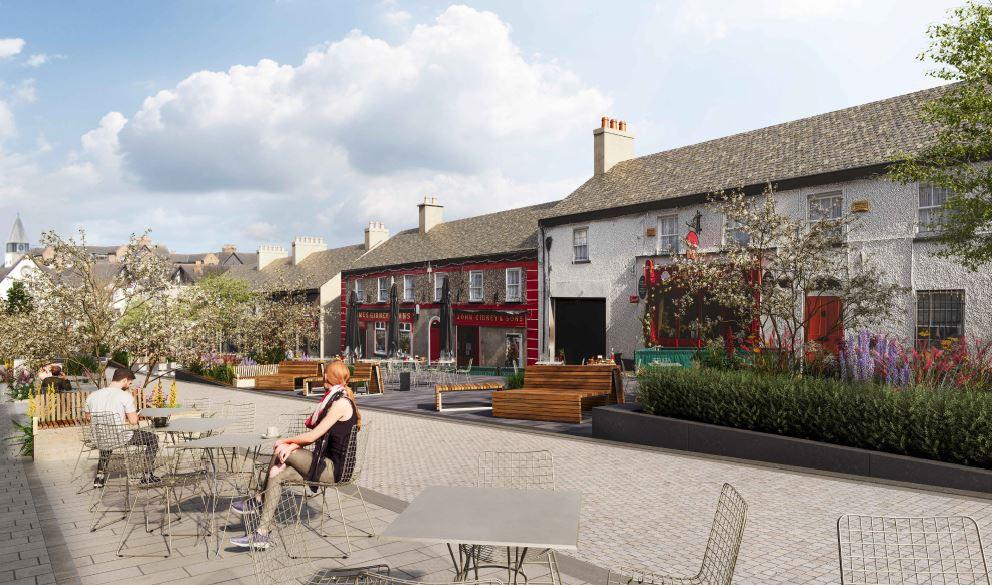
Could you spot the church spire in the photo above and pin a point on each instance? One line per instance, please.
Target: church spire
(17, 243)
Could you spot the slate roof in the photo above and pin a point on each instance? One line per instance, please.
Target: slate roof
(514, 230)
(861, 136)
(315, 270)
(17, 233)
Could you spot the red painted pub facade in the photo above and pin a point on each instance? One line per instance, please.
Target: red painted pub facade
(494, 305)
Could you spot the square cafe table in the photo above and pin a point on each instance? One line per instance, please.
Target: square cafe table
(167, 411)
(471, 517)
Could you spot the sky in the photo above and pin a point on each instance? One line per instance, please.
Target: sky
(251, 121)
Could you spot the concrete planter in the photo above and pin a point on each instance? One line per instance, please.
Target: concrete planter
(56, 444)
(187, 376)
(627, 423)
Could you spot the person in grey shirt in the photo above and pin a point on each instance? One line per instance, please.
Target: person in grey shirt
(116, 398)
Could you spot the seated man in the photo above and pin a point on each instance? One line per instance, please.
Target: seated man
(55, 377)
(116, 399)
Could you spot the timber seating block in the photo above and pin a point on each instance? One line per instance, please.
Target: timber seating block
(559, 393)
(440, 389)
(289, 374)
(368, 374)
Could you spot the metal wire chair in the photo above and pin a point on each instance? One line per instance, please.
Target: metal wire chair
(530, 470)
(87, 449)
(722, 547)
(288, 558)
(243, 415)
(140, 469)
(903, 550)
(202, 404)
(351, 472)
(378, 579)
(107, 440)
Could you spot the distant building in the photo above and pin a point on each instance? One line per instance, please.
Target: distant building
(490, 262)
(17, 244)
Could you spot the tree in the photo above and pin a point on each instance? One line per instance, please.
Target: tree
(18, 299)
(962, 144)
(765, 270)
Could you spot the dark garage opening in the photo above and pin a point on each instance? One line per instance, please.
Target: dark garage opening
(580, 328)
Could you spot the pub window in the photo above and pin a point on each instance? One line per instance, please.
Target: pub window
(383, 289)
(360, 290)
(931, 207)
(827, 206)
(514, 284)
(734, 233)
(475, 285)
(380, 337)
(939, 315)
(438, 284)
(408, 288)
(668, 237)
(580, 245)
(406, 338)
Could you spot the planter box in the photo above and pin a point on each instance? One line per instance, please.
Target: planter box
(58, 444)
(627, 423)
(187, 376)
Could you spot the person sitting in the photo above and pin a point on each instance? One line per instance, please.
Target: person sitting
(330, 431)
(52, 375)
(117, 399)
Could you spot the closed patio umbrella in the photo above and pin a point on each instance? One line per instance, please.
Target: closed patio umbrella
(352, 333)
(445, 320)
(393, 332)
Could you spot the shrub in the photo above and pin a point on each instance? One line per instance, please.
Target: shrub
(946, 425)
(81, 364)
(515, 380)
(24, 437)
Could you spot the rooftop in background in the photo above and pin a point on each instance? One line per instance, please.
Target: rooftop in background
(860, 137)
(311, 272)
(503, 232)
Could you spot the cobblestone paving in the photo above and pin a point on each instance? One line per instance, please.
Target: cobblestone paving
(641, 507)
(653, 509)
(23, 555)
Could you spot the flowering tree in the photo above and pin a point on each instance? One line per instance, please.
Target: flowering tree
(769, 263)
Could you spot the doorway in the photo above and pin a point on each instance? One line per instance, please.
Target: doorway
(580, 328)
(434, 346)
(823, 322)
(468, 346)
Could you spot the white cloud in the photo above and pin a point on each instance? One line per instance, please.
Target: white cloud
(25, 91)
(393, 15)
(7, 126)
(260, 230)
(39, 59)
(10, 47)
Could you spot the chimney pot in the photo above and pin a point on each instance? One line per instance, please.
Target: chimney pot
(611, 145)
(604, 122)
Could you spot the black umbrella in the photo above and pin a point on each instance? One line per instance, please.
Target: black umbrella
(445, 318)
(393, 332)
(352, 333)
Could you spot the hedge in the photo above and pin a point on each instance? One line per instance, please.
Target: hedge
(954, 426)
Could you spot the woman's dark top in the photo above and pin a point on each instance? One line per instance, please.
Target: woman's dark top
(338, 447)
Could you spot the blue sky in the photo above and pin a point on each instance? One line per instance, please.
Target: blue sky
(252, 122)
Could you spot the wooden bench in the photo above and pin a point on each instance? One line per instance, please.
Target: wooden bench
(368, 374)
(560, 393)
(68, 409)
(290, 375)
(440, 389)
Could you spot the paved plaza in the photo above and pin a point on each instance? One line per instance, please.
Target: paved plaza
(640, 507)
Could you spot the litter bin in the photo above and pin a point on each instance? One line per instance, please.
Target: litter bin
(404, 381)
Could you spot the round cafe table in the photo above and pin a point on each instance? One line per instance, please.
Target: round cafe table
(190, 426)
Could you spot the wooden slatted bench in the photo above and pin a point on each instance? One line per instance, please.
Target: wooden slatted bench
(559, 393)
(440, 389)
(368, 374)
(289, 376)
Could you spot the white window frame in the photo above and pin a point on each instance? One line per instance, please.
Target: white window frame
(732, 233)
(580, 252)
(953, 295)
(409, 279)
(360, 290)
(668, 243)
(383, 291)
(936, 222)
(377, 327)
(476, 291)
(831, 195)
(405, 328)
(518, 296)
(438, 283)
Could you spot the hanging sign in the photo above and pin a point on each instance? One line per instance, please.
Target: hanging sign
(642, 288)
(692, 244)
(487, 319)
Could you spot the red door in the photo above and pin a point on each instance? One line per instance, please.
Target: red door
(435, 351)
(823, 322)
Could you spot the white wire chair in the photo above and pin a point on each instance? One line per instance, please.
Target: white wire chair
(722, 548)
(107, 440)
(346, 488)
(910, 550)
(287, 558)
(243, 415)
(203, 404)
(379, 579)
(529, 470)
(87, 452)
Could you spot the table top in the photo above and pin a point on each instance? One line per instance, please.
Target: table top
(195, 425)
(490, 516)
(167, 411)
(228, 441)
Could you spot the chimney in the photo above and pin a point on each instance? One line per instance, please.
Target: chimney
(198, 267)
(229, 249)
(269, 253)
(611, 144)
(303, 246)
(375, 234)
(431, 214)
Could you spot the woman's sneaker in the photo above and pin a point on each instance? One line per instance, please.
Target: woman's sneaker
(253, 540)
(246, 506)
(100, 480)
